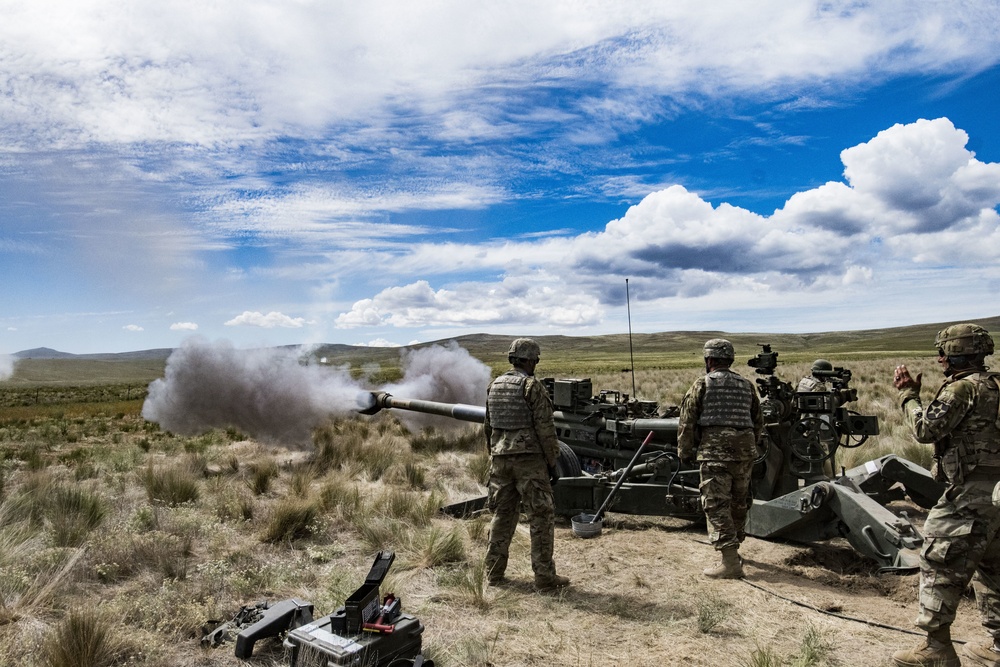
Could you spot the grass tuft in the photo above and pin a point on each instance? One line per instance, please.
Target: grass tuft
(84, 638)
(291, 519)
(171, 486)
(73, 513)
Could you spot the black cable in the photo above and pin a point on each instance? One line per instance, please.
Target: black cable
(845, 617)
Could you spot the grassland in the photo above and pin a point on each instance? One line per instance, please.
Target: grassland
(120, 543)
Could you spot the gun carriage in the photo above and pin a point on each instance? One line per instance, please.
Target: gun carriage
(795, 497)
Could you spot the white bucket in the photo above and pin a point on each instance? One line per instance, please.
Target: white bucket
(585, 525)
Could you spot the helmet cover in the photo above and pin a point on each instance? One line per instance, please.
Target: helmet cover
(964, 340)
(524, 348)
(821, 365)
(719, 348)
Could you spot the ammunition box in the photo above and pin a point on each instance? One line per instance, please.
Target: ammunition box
(324, 642)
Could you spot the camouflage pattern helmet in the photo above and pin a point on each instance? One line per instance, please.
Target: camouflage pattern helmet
(821, 365)
(964, 340)
(719, 348)
(524, 348)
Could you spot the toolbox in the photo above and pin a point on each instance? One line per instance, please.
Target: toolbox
(365, 631)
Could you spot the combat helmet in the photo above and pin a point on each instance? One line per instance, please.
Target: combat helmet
(820, 366)
(524, 348)
(719, 348)
(966, 339)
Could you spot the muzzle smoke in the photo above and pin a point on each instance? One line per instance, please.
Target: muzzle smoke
(7, 366)
(445, 374)
(273, 396)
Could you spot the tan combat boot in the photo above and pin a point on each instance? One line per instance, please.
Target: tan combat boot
(983, 654)
(729, 568)
(935, 651)
(551, 584)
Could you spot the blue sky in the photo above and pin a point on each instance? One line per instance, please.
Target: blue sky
(386, 172)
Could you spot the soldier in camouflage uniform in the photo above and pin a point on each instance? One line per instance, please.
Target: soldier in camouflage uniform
(962, 532)
(521, 437)
(813, 382)
(720, 424)
(817, 383)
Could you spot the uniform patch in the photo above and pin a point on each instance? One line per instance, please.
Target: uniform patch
(936, 410)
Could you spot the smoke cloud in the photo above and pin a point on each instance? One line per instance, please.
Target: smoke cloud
(447, 374)
(273, 396)
(7, 366)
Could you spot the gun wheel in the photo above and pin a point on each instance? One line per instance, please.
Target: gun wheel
(812, 440)
(568, 465)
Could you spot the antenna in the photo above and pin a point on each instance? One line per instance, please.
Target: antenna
(628, 307)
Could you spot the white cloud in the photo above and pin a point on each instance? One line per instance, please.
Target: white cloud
(378, 342)
(269, 321)
(184, 326)
(132, 327)
(913, 193)
(208, 75)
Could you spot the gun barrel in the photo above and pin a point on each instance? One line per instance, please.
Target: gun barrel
(460, 411)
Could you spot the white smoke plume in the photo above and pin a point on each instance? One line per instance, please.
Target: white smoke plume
(447, 374)
(266, 393)
(7, 366)
(271, 395)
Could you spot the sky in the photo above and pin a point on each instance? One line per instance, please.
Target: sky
(387, 172)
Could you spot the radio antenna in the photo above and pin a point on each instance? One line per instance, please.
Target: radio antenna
(628, 308)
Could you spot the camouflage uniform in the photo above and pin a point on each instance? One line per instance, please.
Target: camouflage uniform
(521, 437)
(721, 421)
(963, 530)
(812, 384)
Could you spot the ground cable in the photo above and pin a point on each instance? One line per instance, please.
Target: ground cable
(845, 617)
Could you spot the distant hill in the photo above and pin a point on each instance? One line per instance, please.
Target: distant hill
(42, 353)
(48, 353)
(654, 350)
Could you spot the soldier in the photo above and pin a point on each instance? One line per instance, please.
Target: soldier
(812, 382)
(961, 532)
(721, 422)
(521, 438)
(817, 383)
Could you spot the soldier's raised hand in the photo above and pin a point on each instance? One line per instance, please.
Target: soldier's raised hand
(903, 380)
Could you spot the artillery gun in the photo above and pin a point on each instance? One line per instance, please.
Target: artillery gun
(794, 497)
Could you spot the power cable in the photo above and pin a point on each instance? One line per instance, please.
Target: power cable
(845, 617)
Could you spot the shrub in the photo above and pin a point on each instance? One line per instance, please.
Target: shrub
(437, 547)
(83, 639)
(171, 486)
(73, 513)
(291, 519)
(261, 474)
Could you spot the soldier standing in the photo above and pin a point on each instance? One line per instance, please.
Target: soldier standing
(720, 423)
(521, 437)
(962, 531)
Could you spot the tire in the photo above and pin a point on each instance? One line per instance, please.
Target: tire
(568, 464)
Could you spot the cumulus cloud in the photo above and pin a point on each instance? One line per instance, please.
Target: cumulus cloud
(183, 72)
(912, 193)
(183, 326)
(269, 321)
(132, 327)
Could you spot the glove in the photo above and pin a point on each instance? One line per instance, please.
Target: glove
(553, 475)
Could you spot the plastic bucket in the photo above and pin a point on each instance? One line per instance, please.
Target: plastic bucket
(585, 525)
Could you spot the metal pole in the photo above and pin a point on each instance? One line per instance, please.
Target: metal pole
(628, 307)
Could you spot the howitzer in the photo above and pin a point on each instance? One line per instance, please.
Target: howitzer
(794, 498)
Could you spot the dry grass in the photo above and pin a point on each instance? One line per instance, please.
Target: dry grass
(101, 511)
